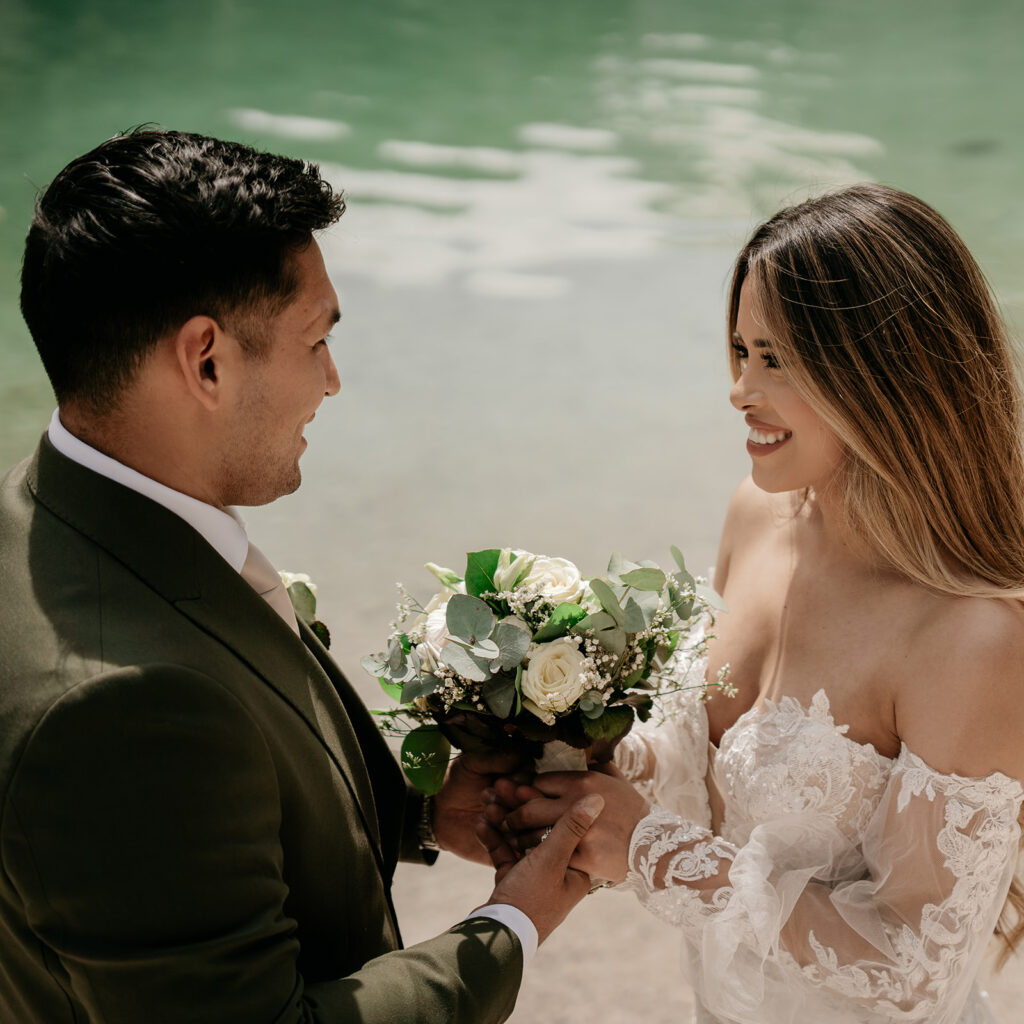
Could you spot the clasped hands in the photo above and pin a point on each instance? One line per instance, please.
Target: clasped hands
(487, 813)
(519, 810)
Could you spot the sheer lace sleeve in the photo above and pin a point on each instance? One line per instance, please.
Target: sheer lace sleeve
(667, 757)
(806, 920)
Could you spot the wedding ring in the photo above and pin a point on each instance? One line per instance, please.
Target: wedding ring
(545, 833)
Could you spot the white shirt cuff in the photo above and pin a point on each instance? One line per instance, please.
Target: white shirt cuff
(514, 918)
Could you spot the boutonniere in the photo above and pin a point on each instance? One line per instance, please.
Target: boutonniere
(302, 594)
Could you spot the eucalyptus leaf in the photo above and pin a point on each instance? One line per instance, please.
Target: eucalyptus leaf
(677, 555)
(500, 695)
(486, 649)
(396, 657)
(640, 609)
(600, 589)
(469, 618)
(480, 566)
(374, 664)
(513, 643)
(425, 755)
(618, 564)
(467, 665)
(303, 601)
(612, 640)
(598, 620)
(562, 619)
(644, 579)
(421, 686)
(519, 689)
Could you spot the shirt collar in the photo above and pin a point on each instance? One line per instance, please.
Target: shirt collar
(224, 530)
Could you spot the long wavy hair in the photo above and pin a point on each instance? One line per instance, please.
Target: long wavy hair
(883, 322)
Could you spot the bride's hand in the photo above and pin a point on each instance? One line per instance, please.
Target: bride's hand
(603, 851)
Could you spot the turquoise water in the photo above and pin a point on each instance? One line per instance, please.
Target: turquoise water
(544, 200)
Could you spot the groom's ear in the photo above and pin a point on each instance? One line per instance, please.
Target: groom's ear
(205, 354)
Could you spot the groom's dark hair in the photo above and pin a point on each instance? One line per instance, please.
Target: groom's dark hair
(149, 229)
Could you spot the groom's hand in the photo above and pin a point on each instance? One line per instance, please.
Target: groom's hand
(460, 803)
(541, 884)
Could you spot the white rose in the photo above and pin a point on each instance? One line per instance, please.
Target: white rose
(435, 633)
(557, 579)
(288, 578)
(554, 679)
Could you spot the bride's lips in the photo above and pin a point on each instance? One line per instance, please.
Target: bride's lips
(765, 438)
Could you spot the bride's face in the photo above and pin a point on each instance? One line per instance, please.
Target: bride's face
(789, 443)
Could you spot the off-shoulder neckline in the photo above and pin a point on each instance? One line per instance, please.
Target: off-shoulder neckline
(820, 709)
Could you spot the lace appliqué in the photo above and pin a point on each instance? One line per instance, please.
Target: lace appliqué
(844, 883)
(667, 853)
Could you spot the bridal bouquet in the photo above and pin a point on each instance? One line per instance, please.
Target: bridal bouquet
(521, 651)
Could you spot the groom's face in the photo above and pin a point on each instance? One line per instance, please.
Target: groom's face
(282, 389)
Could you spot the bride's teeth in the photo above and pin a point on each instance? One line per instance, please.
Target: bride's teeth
(760, 437)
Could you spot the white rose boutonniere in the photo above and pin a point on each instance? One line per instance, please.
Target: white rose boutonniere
(302, 592)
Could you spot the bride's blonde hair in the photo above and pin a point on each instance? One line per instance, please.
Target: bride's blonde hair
(883, 322)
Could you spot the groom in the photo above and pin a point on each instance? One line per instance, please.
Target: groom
(198, 819)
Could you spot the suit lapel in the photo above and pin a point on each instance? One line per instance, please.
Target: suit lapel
(173, 559)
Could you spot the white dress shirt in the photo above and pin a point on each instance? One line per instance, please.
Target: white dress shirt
(225, 532)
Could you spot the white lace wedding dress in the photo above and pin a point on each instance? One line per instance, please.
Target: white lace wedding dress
(840, 886)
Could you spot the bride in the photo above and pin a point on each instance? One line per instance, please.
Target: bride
(837, 844)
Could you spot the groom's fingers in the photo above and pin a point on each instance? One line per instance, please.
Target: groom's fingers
(571, 827)
(503, 857)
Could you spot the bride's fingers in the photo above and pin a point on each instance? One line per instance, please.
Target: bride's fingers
(536, 814)
(502, 855)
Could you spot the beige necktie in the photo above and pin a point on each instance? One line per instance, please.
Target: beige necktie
(263, 578)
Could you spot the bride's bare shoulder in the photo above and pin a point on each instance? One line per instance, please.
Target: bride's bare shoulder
(962, 704)
(752, 515)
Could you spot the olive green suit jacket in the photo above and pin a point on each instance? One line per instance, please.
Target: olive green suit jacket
(198, 819)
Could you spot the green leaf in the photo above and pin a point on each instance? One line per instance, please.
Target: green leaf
(458, 659)
(486, 649)
(425, 755)
(641, 608)
(618, 564)
(469, 618)
(321, 632)
(446, 576)
(613, 640)
(480, 566)
(562, 619)
(303, 602)
(682, 601)
(393, 690)
(513, 643)
(612, 724)
(644, 579)
(678, 556)
(500, 695)
(600, 589)
(598, 620)
(374, 664)
(421, 686)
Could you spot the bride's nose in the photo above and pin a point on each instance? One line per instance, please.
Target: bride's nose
(743, 396)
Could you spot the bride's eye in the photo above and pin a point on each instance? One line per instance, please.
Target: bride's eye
(741, 355)
(770, 361)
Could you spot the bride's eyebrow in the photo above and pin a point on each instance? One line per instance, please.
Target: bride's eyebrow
(757, 342)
